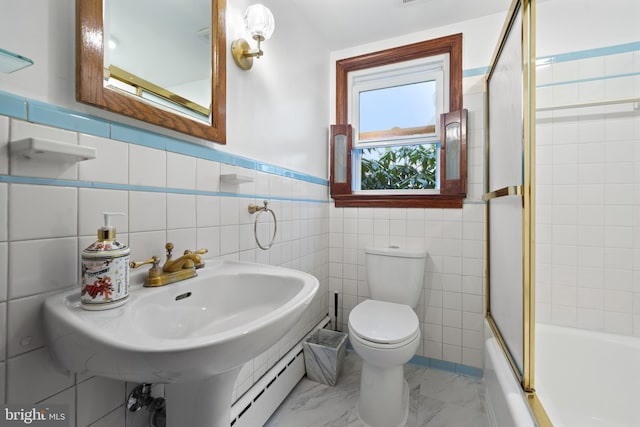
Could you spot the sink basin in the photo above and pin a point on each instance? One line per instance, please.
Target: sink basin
(194, 335)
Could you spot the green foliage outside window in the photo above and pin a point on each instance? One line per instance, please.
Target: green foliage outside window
(407, 167)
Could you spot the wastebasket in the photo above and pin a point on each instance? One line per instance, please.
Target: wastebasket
(324, 355)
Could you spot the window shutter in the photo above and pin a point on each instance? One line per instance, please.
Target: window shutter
(453, 152)
(340, 152)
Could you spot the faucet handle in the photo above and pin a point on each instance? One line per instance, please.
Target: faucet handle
(169, 248)
(153, 260)
(199, 263)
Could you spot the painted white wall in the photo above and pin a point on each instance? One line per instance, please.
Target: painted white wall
(574, 25)
(276, 112)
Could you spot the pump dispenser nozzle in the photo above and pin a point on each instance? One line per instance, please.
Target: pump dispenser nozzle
(108, 232)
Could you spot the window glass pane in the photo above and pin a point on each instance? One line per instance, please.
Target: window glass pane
(452, 170)
(340, 159)
(398, 111)
(405, 167)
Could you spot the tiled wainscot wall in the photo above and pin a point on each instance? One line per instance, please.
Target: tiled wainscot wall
(170, 191)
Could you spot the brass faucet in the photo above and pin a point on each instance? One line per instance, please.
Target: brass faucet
(173, 270)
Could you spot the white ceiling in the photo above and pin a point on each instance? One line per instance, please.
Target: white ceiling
(347, 23)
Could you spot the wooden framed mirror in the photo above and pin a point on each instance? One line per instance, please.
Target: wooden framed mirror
(173, 111)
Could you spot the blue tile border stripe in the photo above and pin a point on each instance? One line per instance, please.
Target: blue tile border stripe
(592, 79)
(110, 186)
(589, 53)
(51, 115)
(13, 106)
(443, 365)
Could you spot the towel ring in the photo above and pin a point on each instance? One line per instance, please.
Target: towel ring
(260, 210)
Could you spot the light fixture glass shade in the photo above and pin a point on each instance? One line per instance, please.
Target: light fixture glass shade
(259, 21)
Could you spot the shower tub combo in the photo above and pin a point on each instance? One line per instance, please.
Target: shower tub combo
(582, 378)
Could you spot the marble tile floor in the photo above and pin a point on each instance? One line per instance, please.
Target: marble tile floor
(437, 399)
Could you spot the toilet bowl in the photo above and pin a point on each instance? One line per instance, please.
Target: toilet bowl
(386, 336)
(385, 332)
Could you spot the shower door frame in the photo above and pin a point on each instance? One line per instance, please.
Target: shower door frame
(525, 10)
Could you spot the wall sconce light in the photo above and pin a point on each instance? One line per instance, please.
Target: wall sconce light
(259, 22)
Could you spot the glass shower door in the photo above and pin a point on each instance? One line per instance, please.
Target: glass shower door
(508, 182)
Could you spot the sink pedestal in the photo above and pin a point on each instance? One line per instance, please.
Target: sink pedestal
(203, 403)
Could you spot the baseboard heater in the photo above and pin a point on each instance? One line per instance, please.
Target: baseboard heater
(259, 402)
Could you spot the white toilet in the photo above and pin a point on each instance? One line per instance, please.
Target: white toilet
(385, 332)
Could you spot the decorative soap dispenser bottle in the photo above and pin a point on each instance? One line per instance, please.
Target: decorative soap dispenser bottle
(105, 270)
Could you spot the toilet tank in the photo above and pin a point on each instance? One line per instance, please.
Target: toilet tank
(395, 274)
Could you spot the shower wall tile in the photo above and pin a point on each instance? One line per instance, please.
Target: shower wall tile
(586, 245)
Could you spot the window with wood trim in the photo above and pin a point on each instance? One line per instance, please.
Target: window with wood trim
(400, 137)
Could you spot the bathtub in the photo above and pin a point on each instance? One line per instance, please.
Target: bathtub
(583, 379)
(587, 379)
(505, 402)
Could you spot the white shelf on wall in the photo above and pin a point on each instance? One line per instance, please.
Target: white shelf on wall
(235, 178)
(44, 149)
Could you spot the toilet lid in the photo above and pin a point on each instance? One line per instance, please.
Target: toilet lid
(383, 322)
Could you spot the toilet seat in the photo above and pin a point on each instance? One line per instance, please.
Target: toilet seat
(382, 323)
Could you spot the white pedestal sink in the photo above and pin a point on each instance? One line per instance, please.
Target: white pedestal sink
(194, 336)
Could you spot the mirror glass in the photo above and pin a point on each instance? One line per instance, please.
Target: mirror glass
(159, 61)
(160, 50)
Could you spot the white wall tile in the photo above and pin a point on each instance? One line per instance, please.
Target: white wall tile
(145, 245)
(229, 211)
(25, 331)
(40, 212)
(32, 377)
(115, 418)
(98, 396)
(181, 171)
(93, 202)
(3, 332)
(2, 381)
(229, 239)
(209, 237)
(207, 211)
(147, 166)
(111, 163)
(207, 175)
(37, 266)
(181, 211)
(67, 397)
(183, 238)
(4, 147)
(4, 270)
(36, 167)
(147, 211)
(4, 212)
